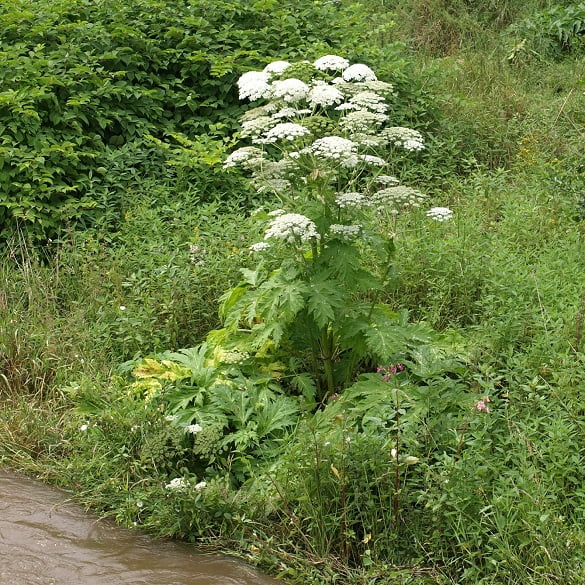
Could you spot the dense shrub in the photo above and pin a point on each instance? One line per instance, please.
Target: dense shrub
(80, 80)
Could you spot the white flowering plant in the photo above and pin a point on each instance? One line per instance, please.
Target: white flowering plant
(318, 142)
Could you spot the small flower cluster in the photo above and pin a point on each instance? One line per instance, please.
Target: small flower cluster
(181, 484)
(245, 156)
(345, 232)
(283, 131)
(389, 371)
(397, 197)
(196, 254)
(193, 429)
(440, 214)
(351, 200)
(406, 137)
(482, 405)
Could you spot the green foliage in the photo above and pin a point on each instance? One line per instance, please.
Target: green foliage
(80, 84)
(550, 34)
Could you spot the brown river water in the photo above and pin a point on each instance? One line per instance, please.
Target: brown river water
(46, 540)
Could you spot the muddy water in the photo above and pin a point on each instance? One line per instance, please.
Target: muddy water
(45, 540)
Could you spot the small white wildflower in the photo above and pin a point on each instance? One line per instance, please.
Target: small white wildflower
(334, 147)
(171, 417)
(331, 63)
(272, 185)
(406, 137)
(242, 156)
(324, 95)
(84, 427)
(359, 72)
(254, 85)
(276, 212)
(290, 90)
(345, 232)
(288, 112)
(177, 484)
(375, 161)
(200, 486)
(259, 246)
(286, 131)
(352, 199)
(256, 126)
(386, 180)
(346, 106)
(193, 429)
(413, 145)
(440, 213)
(139, 504)
(291, 227)
(122, 308)
(276, 67)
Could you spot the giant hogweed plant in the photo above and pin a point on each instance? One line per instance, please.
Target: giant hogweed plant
(308, 319)
(321, 139)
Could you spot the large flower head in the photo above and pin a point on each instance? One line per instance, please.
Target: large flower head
(359, 72)
(292, 227)
(254, 85)
(285, 131)
(324, 95)
(290, 90)
(276, 67)
(331, 63)
(332, 147)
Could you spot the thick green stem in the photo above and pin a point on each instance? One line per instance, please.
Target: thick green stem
(327, 357)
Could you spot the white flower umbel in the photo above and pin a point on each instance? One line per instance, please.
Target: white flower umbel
(243, 156)
(259, 247)
(368, 100)
(332, 147)
(193, 429)
(288, 112)
(290, 90)
(398, 197)
(380, 87)
(324, 95)
(351, 200)
(276, 67)
(178, 484)
(345, 232)
(264, 185)
(292, 227)
(285, 131)
(331, 63)
(370, 159)
(254, 85)
(405, 137)
(256, 126)
(440, 213)
(358, 72)
(413, 145)
(362, 121)
(386, 180)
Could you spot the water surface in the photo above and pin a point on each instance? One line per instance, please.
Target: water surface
(46, 540)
